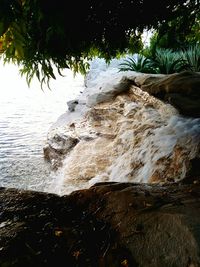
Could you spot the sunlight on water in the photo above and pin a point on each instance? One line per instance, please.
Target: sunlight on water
(26, 114)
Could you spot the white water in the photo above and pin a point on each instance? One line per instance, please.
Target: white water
(26, 114)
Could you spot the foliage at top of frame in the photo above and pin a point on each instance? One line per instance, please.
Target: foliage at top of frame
(37, 34)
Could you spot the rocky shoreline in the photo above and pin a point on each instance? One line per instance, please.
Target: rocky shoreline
(123, 131)
(145, 138)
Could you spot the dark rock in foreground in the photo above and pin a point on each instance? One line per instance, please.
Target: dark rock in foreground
(107, 225)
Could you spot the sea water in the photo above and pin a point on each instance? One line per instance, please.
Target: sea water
(26, 114)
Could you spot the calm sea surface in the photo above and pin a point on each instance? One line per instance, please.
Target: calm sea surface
(26, 114)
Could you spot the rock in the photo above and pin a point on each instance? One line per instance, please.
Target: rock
(133, 137)
(188, 106)
(109, 91)
(59, 146)
(72, 105)
(124, 128)
(182, 90)
(146, 78)
(112, 224)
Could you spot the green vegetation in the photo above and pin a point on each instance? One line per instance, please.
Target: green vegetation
(165, 61)
(179, 33)
(38, 35)
(192, 57)
(137, 63)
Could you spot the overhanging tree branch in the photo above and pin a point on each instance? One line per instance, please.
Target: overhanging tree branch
(35, 33)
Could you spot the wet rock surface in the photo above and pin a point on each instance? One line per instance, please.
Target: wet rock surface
(59, 147)
(111, 224)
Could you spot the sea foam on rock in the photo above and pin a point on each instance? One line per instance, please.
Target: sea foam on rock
(118, 132)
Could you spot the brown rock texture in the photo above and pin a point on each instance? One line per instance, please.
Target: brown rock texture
(127, 134)
(112, 224)
(182, 90)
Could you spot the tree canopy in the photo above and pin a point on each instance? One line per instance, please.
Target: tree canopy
(39, 33)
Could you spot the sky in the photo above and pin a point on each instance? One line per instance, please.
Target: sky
(11, 82)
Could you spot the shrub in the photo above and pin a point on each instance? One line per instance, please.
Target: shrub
(192, 57)
(166, 61)
(137, 63)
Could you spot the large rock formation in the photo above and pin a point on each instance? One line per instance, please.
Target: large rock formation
(118, 132)
(107, 225)
(115, 131)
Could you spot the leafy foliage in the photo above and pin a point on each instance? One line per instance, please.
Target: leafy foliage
(174, 35)
(38, 34)
(193, 36)
(166, 61)
(192, 57)
(181, 30)
(137, 63)
(150, 50)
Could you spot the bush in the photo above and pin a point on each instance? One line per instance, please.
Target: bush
(192, 57)
(137, 63)
(166, 61)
